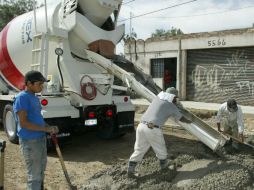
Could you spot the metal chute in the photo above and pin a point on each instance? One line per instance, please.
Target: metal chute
(205, 133)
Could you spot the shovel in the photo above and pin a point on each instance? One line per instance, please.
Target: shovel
(238, 140)
(2, 147)
(55, 141)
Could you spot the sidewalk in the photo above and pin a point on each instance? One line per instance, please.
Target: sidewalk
(198, 105)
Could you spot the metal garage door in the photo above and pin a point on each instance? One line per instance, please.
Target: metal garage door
(214, 75)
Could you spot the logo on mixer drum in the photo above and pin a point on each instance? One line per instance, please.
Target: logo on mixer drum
(27, 31)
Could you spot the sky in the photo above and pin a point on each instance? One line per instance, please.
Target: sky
(191, 16)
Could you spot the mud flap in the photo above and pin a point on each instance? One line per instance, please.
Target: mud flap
(117, 126)
(107, 129)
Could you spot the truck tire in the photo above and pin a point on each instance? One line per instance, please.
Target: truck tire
(10, 125)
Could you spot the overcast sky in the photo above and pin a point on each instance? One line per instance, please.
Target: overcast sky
(195, 16)
(191, 17)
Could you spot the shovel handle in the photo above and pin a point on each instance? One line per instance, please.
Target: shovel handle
(2, 148)
(58, 151)
(234, 138)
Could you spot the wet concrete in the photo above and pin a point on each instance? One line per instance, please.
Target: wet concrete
(200, 169)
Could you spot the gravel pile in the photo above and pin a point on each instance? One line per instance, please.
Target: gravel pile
(203, 171)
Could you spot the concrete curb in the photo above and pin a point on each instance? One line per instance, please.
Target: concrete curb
(198, 105)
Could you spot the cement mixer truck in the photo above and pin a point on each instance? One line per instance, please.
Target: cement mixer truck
(72, 43)
(53, 40)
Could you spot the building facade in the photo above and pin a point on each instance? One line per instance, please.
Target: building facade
(204, 67)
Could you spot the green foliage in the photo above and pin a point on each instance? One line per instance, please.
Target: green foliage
(12, 8)
(131, 36)
(172, 32)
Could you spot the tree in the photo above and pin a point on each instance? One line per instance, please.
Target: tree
(159, 32)
(131, 36)
(12, 8)
(172, 32)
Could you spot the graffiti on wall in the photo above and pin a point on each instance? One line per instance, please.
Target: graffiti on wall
(248, 84)
(233, 71)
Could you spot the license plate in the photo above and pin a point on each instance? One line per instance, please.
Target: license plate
(91, 122)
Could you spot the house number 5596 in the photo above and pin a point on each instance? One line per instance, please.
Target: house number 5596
(219, 42)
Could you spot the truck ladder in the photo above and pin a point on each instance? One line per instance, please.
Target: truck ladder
(40, 53)
(40, 44)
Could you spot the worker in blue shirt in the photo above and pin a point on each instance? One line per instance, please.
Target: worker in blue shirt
(32, 129)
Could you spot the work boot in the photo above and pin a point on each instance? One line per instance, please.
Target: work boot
(164, 164)
(131, 169)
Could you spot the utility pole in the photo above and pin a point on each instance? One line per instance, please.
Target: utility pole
(130, 36)
(130, 24)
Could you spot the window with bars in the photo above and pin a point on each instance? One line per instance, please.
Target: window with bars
(157, 68)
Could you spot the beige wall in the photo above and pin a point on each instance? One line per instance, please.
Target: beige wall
(174, 47)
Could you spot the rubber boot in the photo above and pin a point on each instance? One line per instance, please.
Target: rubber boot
(131, 169)
(164, 164)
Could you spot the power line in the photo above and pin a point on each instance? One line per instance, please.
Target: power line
(124, 3)
(144, 14)
(204, 14)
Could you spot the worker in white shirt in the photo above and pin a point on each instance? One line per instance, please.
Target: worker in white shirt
(230, 116)
(149, 131)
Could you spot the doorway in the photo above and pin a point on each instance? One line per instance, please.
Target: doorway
(169, 79)
(166, 70)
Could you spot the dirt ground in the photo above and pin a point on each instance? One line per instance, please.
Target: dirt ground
(96, 164)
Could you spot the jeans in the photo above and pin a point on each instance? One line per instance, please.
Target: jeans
(35, 155)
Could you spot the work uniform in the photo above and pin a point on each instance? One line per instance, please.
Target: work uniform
(232, 122)
(149, 132)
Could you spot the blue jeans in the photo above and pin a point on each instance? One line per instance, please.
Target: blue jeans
(35, 155)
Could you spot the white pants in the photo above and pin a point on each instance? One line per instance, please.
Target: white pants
(231, 128)
(146, 138)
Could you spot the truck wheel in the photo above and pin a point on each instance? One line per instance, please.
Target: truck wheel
(10, 125)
